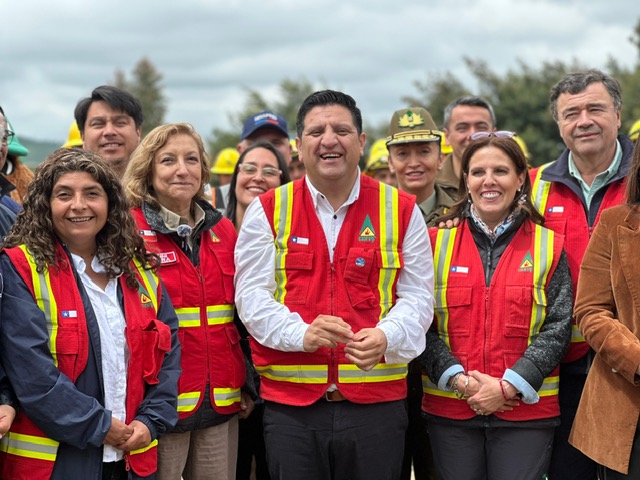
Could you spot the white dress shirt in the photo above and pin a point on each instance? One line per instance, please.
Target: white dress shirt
(274, 325)
(113, 345)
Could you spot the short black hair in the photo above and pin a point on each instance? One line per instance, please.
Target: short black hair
(116, 98)
(328, 97)
(471, 101)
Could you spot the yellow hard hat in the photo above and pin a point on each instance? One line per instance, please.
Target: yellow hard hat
(225, 162)
(634, 131)
(522, 145)
(74, 140)
(378, 155)
(444, 146)
(294, 148)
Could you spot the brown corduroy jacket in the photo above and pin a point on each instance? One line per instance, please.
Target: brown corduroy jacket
(608, 314)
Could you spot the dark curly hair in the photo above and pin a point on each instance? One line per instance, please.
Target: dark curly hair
(118, 243)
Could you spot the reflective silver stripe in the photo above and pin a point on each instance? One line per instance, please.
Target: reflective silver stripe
(224, 397)
(295, 373)
(542, 263)
(382, 372)
(151, 283)
(388, 204)
(282, 225)
(219, 314)
(29, 446)
(188, 317)
(540, 190)
(188, 401)
(43, 296)
(443, 253)
(550, 386)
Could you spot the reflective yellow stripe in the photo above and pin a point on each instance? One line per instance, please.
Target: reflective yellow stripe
(295, 373)
(29, 446)
(542, 263)
(46, 302)
(223, 397)
(282, 224)
(154, 443)
(188, 401)
(550, 386)
(188, 317)
(220, 314)
(216, 315)
(383, 372)
(431, 388)
(540, 190)
(388, 205)
(576, 335)
(442, 255)
(151, 282)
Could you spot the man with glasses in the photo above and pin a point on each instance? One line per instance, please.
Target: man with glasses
(462, 118)
(267, 126)
(334, 282)
(570, 192)
(6, 136)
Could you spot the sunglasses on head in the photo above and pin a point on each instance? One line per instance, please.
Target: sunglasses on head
(498, 134)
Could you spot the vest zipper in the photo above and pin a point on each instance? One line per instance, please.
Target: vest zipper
(332, 361)
(206, 323)
(127, 467)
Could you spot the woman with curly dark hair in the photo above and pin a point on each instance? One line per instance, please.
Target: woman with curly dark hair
(89, 337)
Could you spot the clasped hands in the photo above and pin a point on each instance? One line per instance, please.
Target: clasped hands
(364, 348)
(487, 396)
(130, 437)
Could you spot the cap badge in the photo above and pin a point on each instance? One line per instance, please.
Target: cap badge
(410, 120)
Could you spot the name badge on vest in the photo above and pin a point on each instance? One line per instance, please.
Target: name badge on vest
(148, 235)
(168, 257)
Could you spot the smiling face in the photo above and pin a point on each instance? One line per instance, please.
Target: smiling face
(465, 121)
(176, 174)
(79, 210)
(111, 134)
(249, 185)
(589, 123)
(416, 165)
(493, 183)
(330, 147)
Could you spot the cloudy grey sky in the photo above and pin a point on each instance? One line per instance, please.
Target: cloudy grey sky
(54, 53)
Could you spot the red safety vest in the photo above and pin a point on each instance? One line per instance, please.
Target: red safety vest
(489, 328)
(359, 286)
(564, 214)
(204, 304)
(29, 454)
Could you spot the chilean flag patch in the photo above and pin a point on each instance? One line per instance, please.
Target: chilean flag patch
(456, 269)
(69, 314)
(168, 257)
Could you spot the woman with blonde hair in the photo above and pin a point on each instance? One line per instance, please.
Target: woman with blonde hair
(164, 182)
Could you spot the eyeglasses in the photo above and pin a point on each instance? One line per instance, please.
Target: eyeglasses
(252, 170)
(498, 134)
(7, 136)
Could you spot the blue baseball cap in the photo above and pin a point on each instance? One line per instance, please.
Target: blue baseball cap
(264, 119)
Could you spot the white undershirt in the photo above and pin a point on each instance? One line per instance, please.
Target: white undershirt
(113, 345)
(274, 325)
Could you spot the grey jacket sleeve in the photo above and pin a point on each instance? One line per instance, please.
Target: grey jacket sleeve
(547, 349)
